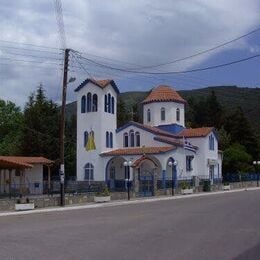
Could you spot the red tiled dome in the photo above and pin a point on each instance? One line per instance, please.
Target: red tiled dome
(163, 94)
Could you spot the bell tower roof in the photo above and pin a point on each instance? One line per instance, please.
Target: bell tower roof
(100, 83)
(163, 93)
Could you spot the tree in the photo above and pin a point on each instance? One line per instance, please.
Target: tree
(240, 130)
(41, 126)
(122, 115)
(236, 159)
(11, 121)
(214, 111)
(224, 138)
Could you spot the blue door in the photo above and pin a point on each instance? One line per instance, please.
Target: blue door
(146, 184)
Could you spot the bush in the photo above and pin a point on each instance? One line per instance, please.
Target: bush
(185, 185)
(105, 192)
(206, 185)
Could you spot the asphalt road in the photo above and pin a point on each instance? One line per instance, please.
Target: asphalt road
(214, 227)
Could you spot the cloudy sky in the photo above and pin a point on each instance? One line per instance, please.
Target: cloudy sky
(126, 34)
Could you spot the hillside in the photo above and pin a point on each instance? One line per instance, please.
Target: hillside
(229, 96)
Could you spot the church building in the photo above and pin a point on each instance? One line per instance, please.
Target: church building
(148, 155)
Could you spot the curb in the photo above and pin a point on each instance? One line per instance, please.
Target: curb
(121, 203)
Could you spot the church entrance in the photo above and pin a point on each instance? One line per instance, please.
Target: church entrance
(146, 171)
(146, 184)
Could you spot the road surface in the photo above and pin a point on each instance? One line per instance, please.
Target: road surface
(224, 226)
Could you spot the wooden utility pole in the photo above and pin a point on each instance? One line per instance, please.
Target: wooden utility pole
(62, 126)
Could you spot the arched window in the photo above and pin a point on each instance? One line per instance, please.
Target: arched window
(162, 114)
(211, 143)
(83, 104)
(148, 115)
(85, 138)
(95, 103)
(177, 114)
(137, 139)
(89, 171)
(89, 105)
(132, 138)
(107, 139)
(111, 139)
(113, 105)
(109, 103)
(105, 104)
(125, 140)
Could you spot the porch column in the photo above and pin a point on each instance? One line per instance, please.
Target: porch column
(21, 180)
(10, 182)
(4, 181)
(49, 179)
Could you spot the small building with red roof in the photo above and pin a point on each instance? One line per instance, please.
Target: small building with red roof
(151, 155)
(20, 175)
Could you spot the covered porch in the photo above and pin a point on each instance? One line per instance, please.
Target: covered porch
(22, 175)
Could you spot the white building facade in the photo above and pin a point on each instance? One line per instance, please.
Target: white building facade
(153, 154)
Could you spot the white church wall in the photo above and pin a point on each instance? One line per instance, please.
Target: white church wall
(99, 122)
(146, 138)
(170, 113)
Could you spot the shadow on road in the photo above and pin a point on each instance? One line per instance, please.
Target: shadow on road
(250, 254)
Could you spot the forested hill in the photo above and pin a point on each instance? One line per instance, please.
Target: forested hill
(229, 97)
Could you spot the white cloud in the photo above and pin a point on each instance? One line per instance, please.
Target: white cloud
(141, 32)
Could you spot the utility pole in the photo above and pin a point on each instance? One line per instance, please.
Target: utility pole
(62, 127)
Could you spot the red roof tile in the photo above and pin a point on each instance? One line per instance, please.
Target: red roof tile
(140, 150)
(196, 132)
(100, 83)
(163, 94)
(26, 161)
(7, 162)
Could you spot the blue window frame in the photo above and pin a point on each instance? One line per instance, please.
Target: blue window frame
(107, 139)
(162, 114)
(178, 116)
(105, 104)
(132, 138)
(137, 139)
(111, 139)
(83, 104)
(89, 171)
(112, 105)
(189, 159)
(89, 102)
(211, 143)
(85, 138)
(125, 141)
(109, 103)
(148, 115)
(95, 103)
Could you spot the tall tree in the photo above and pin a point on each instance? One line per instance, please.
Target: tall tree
(11, 121)
(41, 126)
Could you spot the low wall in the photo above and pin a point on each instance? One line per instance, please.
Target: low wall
(52, 201)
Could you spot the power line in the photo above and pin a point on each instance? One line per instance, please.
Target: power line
(30, 50)
(60, 23)
(30, 44)
(201, 52)
(171, 72)
(33, 61)
(34, 56)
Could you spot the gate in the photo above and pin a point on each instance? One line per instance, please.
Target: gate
(146, 185)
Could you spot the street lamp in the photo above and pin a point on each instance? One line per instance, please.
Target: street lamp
(173, 165)
(256, 164)
(127, 165)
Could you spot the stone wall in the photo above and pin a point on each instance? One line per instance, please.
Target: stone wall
(54, 201)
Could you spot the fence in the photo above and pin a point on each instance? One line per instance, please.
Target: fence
(85, 187)
(242, 177)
